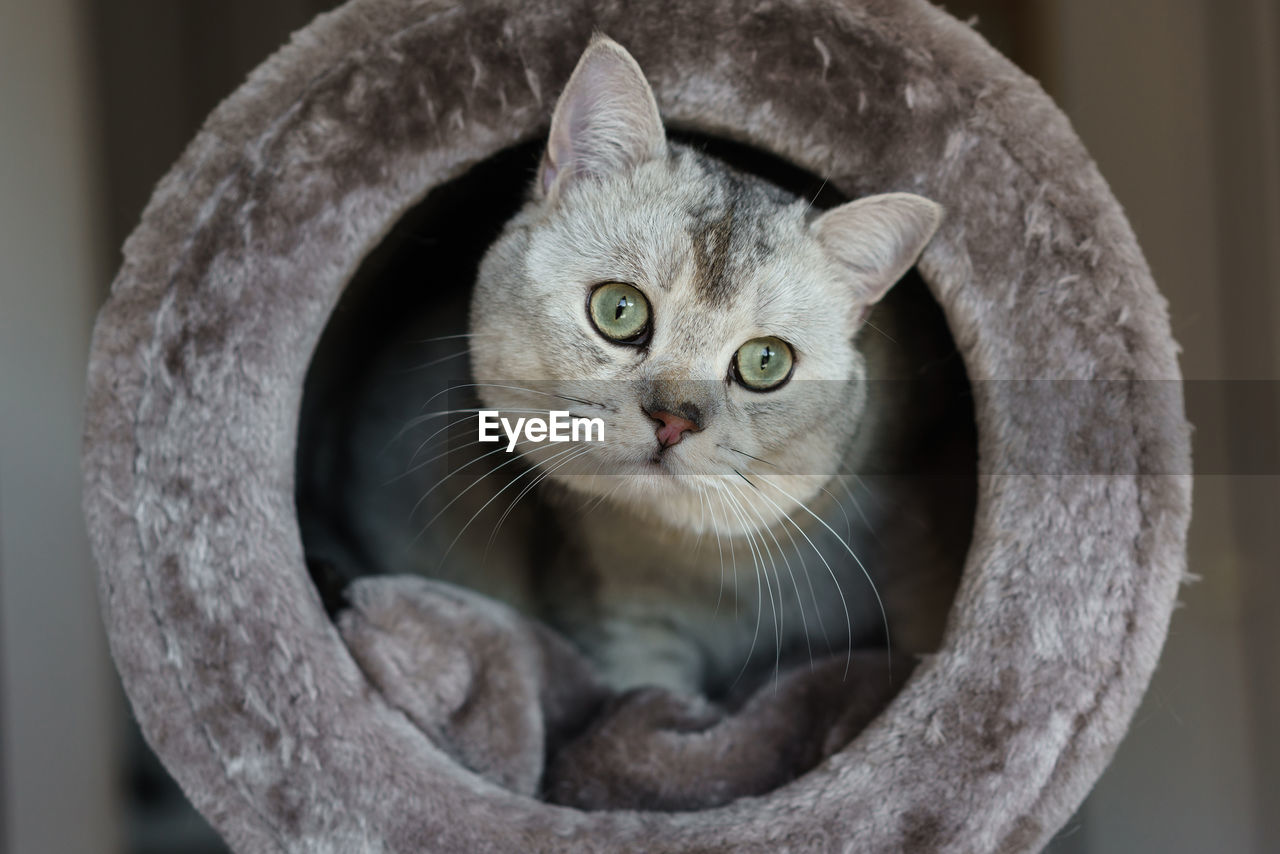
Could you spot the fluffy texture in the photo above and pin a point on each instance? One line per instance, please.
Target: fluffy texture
(287, 741)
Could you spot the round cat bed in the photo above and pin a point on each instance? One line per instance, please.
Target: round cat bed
(421, 721)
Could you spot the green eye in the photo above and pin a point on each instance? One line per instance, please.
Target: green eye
(620, 312)
(763, 363)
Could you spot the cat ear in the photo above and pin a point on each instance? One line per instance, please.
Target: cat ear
(878, 238)
(606, 120)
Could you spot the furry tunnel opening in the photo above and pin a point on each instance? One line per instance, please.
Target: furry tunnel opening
(394, 356)
(307, 698)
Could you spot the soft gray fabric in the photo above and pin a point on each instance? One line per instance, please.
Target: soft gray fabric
(492, 689)
(278, 733)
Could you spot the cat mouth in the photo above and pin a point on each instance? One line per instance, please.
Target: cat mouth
(662, 457)
(663, 462)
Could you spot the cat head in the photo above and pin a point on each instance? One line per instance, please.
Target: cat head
(707, 317)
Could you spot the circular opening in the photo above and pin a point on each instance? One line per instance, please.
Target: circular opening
(388, 480)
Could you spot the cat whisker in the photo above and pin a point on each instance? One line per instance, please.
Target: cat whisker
(573, 414)
(474, 414)
(576, 451)
(733, 552)
(804, 571)
(428, 441)
(473, 484)
(857, 506)
(768, 529)
(844, 604)
(591, 504)
(423, 419)
(425, 442)
(870, 492)
(702, 516)
(844, 484)
(848, 525)
(867, 322)
(543, 474)
(447, 337)
(413, 468)
(778, 610)
(521, 389)
(775, 590)
(418, 420)
(821, 187)
(745, 454)
(607, 496)
(759, 601)
(758, 563)
(734, 556)
(883, 614)
(779, 613)
(719, 548)
(437, 361)
(452, 473)
(592, 501)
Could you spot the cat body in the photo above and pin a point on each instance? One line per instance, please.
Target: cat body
(709, 536)
(744, 351)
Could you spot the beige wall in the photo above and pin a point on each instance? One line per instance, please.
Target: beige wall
(1177, 101)
(58, 705)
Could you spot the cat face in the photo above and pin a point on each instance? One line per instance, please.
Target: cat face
(705, 316)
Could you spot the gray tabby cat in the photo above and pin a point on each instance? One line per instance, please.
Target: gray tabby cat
(714, 323)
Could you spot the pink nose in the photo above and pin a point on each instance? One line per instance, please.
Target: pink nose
(673, 427)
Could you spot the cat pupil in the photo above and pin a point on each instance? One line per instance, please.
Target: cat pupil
(765, 355)
(621, 309)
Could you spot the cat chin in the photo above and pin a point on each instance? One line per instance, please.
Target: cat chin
(726, 504)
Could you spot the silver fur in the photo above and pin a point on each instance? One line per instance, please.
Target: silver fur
(722, 257)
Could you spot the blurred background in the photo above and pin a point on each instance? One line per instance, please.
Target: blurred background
(1179, 101)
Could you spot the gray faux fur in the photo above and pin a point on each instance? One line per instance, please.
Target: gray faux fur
(275, 729)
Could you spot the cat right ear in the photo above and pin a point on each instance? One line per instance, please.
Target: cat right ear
(605, 122)
(877, 239)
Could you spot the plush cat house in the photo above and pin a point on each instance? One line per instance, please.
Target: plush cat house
(424, 719)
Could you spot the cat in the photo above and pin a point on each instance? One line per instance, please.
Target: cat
(719, 327)
(722, 532)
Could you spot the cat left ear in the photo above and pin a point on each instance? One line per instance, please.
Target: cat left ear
(606, 121)
(878, 238)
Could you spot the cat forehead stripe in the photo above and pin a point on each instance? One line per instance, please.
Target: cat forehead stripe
(711, 255)
(728, 232)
